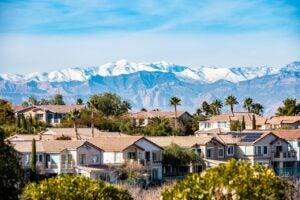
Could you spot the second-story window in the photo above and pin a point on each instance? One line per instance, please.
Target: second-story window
(265, 150)
(230, 150)
(156, 156)
(131, 155)
(96, 158)
(82, 159)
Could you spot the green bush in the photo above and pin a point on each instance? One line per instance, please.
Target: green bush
(233, 180)
(73, 188)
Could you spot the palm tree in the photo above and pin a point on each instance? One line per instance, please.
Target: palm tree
(257, 109)
(174, 101)
(248, 104)
(74, 115)
(216, 107)
(230, 101)
(92, 106)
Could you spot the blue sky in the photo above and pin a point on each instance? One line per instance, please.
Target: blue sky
(46, 35)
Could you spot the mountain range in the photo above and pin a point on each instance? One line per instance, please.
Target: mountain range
(151, 85)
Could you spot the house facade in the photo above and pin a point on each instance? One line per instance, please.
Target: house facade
(223, 121)
(101, 157)
(50, 114)
(143, 118)
(277, 122)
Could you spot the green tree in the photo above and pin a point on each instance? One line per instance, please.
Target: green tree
(289, 108)
(144, 110)
(11, 173)
(178, 157)
(25, 104)
(73, 116)
(231, 101)
(175, 101)
(6, 113)
(74, 188)
(248, 104)
(233, 180)
(257, 109)
(253, 122)
(44, 101)
(215, 107)
(33, 172)
(243, 125)
(158, 127)
(79, 102)
(235, 125)
(57, 100)
(125, 107)
(32, 101)
(205, 107)
(23, 122)
(108, 104)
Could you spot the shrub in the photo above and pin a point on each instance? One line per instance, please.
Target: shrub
(74, 187)
(233, 180)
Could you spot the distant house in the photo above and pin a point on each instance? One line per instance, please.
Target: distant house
(51, 114)
(143, 118)
(223, 121)
(281, 121)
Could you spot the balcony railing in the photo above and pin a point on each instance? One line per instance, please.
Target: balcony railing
(284, 155)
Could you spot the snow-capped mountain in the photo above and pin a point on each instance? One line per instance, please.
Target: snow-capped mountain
(151, 85)
(201, 74)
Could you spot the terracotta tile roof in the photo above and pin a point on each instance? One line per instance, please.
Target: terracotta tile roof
(52, 108)
(288, 134)
(152, 114)
(226, 117)
(29, 137)
(183, 141)
(54, 146)
(114, 144)
(84, 133)
(283, 119)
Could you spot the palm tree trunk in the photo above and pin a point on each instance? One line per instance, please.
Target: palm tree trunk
(75, 129)
(92, 125)
(231, 107)
(175, 107)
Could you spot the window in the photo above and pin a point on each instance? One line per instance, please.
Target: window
(230, 150)
(265, 150)
(298, 143)
(82, 159)
(96, 158)
(156, 156)
(40, 158)
(147, 155)
(221, 153)
(131, 155)
(209, 153)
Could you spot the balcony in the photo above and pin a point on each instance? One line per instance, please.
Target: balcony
(284, 156)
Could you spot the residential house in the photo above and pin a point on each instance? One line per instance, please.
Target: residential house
(209, 149)
(50, 114)
(293, 138)
(284, 121)
(102, 157)
(223, 121)
(143, 118)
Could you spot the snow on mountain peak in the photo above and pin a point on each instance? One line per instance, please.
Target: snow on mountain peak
(123, 66)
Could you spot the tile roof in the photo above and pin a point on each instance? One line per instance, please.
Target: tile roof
(55, 146)
(283, 119)
(114, 143)
(152, 114)
(226, 117)
(183, 141)
(288, 134)
(84, 133)
(52, 108)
